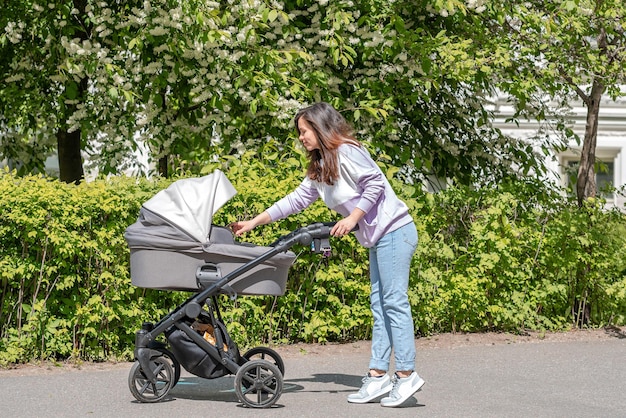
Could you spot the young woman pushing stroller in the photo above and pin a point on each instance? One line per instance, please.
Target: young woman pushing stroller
(342, 173)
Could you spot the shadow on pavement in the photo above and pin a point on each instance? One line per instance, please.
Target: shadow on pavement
(615, 332)
(200, 389)
(222, 389)
(338, 379)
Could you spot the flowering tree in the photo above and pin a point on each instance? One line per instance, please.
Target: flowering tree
(58, 67)
(193, 79)
(28, 110)
(563, 50)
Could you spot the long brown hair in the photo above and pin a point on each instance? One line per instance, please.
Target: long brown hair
(331, 130)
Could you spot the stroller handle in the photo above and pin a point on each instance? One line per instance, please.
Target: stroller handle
(306, 235)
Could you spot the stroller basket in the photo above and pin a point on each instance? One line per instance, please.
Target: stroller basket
(194, 359)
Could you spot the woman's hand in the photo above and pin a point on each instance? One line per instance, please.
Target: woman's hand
(241, 227)
(343, 227)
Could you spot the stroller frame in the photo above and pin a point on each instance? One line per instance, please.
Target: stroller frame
(258, 373)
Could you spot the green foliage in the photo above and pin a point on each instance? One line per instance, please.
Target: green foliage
(194, 79)
(507, 258)
(64, 275)
(559, 54)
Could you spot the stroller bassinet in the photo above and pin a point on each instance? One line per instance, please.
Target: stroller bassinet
(175, 246)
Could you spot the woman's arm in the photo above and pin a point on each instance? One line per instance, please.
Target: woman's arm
(294, 202)
(365, 173)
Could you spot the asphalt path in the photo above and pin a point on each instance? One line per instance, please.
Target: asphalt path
(509, 377)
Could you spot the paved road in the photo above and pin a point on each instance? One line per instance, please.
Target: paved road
(529, 379)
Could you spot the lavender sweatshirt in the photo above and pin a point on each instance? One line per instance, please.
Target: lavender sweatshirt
(362, 185)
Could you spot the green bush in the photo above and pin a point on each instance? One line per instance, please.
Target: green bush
(66, 290)
(509, 258)
(64, 268)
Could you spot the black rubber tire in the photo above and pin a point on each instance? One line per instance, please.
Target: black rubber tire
(175, 363)
(258, 384)
(141, 387)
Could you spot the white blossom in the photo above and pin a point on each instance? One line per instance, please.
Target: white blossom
(14, 78)
(158, 31)
(161, 48)
(153, 68)
(14, 31)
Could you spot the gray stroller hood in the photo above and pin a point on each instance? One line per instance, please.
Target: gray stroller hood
(180, 217)
(174, 245)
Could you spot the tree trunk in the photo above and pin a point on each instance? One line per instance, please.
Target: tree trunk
(70, 160)
(163, 166)
(163, 172)
(69, 144)
(586, 182)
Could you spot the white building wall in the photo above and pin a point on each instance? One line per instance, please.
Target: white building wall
(611, 140)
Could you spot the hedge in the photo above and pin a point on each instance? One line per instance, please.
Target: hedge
(505, 258)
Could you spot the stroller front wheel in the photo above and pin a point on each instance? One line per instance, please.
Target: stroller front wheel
(258, 384)
(172, 360)
(146, 391)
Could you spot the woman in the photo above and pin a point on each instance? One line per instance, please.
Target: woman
(342, 173)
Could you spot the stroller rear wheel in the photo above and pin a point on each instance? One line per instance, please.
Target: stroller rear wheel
(258, 384)
(146, 391)
(265, 353)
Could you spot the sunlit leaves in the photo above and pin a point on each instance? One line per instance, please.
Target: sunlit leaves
(183, 77)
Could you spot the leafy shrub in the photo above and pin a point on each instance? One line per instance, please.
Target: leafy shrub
(64, 268)
(511, 258)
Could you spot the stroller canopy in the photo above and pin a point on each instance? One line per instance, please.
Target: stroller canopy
(180, 217)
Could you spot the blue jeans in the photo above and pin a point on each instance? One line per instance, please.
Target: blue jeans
(390, 263)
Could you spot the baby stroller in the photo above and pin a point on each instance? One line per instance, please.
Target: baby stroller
(175, 246)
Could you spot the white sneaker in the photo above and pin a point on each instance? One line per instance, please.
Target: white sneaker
(403, 389)
(373, 387)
